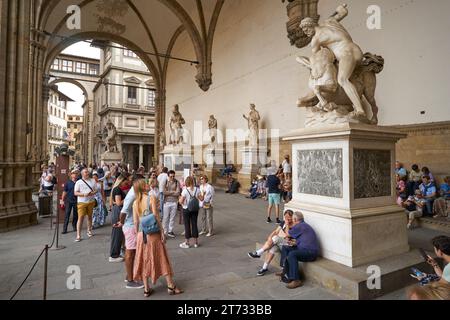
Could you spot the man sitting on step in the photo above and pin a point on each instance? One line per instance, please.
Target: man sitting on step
(303, 247)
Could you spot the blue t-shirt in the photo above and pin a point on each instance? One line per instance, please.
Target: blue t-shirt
(427, 190)
(445, 188)
(273, 184)
(69, 188)
(401, 172)
(305, 237)
(446, 273)
(128, 208)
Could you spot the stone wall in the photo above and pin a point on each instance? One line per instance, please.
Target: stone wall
(427, 145)
(253, 62)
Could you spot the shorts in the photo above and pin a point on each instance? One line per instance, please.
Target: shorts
(277, 244)
(85, 208)
(274, 198)
(414, 214)
(130, 237)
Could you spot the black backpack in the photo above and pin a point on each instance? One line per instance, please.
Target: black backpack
(193, 204)
(54, 180)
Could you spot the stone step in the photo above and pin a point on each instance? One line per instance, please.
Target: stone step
(352, 283)
(438, 224)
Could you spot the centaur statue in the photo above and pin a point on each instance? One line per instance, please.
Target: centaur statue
(342, 77)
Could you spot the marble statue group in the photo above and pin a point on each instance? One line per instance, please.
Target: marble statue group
(342, 78)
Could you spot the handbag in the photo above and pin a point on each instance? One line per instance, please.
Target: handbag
(95, 200)
(148, 223)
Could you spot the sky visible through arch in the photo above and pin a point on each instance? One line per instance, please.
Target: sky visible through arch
(82, 49)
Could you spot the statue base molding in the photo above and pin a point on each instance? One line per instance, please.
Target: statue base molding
(111, 157)
(344, 184)
(214, 159)
(177, 158)
(253, 159)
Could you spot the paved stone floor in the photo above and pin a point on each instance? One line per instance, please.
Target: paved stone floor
(218, 269)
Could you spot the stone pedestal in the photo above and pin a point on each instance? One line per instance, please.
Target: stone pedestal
(343, 182)
(177, 158)
(253, 159)
(215, 161)
(111, 157)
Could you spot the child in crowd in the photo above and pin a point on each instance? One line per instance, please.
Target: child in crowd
(414, 207)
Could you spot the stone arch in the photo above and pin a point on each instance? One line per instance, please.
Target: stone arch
(201, 46)
(102, 36)
(74, 82)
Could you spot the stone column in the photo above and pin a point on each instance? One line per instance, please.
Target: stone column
(16, 206)
(141, 154)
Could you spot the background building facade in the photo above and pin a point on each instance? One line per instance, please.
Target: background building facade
(57, 121)
(74, 128)
(125, 94)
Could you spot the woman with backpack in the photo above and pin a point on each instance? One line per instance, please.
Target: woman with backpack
(189, 199)
(152, 260)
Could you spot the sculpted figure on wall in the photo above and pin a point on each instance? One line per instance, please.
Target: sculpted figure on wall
(342, 79)
(212, 126)
(176, 126)
(110, 140)
(253, 125)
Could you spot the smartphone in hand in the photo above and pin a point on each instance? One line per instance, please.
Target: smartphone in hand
(423, 254)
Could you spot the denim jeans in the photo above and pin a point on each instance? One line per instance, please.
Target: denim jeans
(69, 208)
(290, 256)
(161, 204)
(429, 206)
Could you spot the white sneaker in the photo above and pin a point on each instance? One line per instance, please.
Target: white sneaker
(209, 234)
(202, 233)
(184, 245)
(119, 259)
(196, 245)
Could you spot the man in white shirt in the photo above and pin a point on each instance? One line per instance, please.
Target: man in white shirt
(85, 190)
(206, 207)
(162, 180)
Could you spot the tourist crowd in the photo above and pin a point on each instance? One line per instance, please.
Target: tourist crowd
(143, 210)
(420, 194)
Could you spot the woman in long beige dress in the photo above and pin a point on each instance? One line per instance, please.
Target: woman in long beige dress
(152, 260)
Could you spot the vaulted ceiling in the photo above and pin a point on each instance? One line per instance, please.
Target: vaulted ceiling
(145, 26)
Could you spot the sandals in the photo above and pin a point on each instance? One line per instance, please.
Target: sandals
(148, 293)
(174, 291)
(90, 234)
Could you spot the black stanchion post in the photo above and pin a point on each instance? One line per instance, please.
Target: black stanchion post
(45, 272)
(57, 246)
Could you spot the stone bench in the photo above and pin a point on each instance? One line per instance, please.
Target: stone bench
(351, 283)
(439, 224)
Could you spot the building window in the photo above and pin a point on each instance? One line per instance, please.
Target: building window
(78, 118)
(132, 95)
(94, 69)
(129, 53)
(151, 98)
(67, 65)
(55, 65)
(80, 67)
(75, 126)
